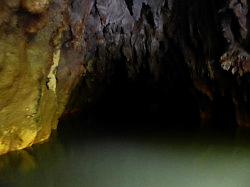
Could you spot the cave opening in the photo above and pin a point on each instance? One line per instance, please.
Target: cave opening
(142, 104)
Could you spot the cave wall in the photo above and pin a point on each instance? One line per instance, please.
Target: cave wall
(56, 55)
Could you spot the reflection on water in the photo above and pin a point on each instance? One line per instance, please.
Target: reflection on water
(97, 158)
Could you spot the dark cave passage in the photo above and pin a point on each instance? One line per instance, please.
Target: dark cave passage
(140, 105)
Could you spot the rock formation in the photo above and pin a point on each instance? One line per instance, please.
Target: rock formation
(51, 47)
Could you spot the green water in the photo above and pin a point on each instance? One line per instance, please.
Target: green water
(97, 158)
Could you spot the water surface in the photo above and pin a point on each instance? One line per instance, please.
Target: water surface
(93, 157)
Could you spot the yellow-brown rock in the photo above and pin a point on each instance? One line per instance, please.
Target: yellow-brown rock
(29, 59)
(35, 6)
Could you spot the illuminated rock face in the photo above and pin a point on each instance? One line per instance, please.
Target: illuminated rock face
(30, 43)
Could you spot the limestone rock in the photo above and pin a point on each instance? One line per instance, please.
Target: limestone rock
(35, 6)
(49, 49)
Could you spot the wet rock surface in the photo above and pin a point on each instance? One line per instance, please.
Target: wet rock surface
(58, 56)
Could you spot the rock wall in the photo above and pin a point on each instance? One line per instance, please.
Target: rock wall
(50, 48)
